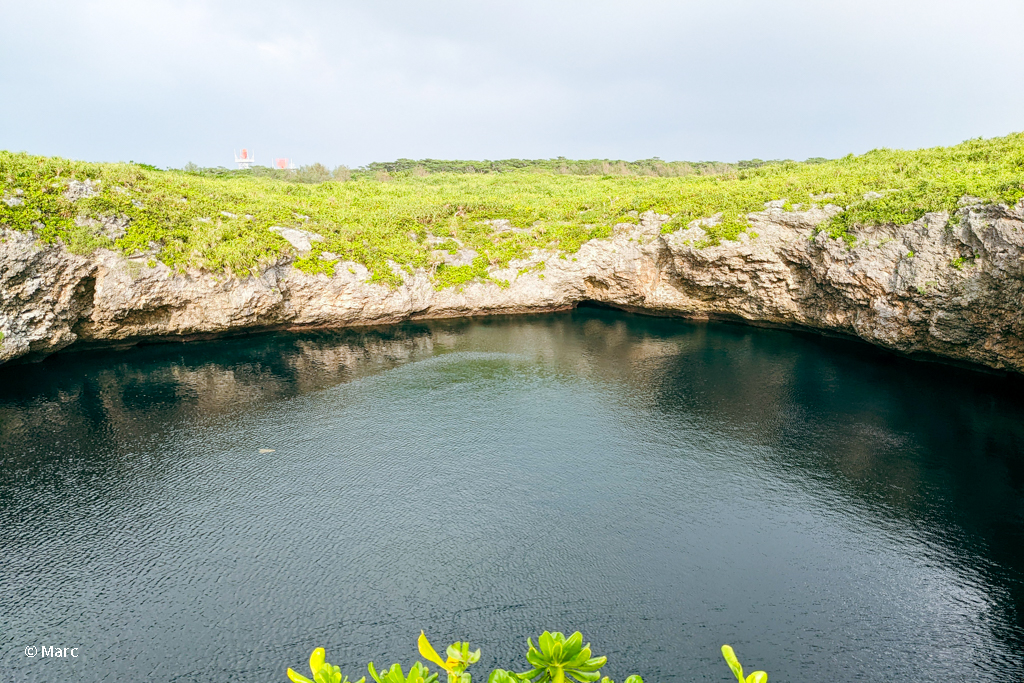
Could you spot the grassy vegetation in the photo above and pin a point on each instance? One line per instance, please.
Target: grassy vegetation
(392, 220)
(561, 165)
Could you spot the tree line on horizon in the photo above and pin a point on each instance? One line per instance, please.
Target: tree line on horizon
(385, 170)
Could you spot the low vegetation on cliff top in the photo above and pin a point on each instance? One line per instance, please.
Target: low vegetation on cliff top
(394, 219)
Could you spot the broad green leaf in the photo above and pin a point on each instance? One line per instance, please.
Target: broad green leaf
(430, 654)
(634, 679)
(297, 677)
(536, 658)
(575, 643)
(373, 672)
(734, 664)
(579, 659)
(757, 677)
(316, 660)
(532, 673)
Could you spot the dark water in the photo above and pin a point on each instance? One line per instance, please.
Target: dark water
(834, 513)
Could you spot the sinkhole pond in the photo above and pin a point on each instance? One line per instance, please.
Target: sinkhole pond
(213, 511)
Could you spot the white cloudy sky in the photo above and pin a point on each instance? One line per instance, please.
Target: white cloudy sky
(169, 81)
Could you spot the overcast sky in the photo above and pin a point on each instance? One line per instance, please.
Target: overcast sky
(171, 81)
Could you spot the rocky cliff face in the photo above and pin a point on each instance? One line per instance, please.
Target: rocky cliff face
(919, 288)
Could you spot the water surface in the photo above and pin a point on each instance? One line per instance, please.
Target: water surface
(833, 512)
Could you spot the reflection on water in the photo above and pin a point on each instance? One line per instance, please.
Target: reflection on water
(831, 511)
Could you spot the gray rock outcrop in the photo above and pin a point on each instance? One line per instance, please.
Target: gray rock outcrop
(80, 189)
(302, 240)
(925, 288)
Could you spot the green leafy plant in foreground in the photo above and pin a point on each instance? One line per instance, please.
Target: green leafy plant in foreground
(321, 670)
(417, 674)
(737, 668)
(502, 676)
(459, 658)
(555, 659)
(556, 656)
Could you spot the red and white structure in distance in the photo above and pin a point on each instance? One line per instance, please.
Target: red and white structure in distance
(246, 159)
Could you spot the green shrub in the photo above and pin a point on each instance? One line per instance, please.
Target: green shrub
(555, 659)
(459, 658)
(417, 674)
(314, 173)
(322, 671)
(960, 262)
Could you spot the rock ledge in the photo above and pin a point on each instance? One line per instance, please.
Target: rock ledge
(924, 288)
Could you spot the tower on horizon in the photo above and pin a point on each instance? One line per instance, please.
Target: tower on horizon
(245, 159)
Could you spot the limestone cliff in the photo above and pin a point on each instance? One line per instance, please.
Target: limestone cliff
(920, 288)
